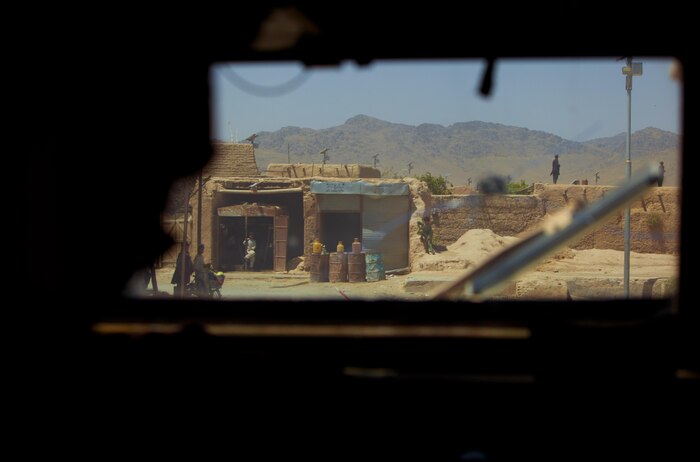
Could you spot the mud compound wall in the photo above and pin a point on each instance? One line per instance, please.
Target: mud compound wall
(322, 170)
(655, 217)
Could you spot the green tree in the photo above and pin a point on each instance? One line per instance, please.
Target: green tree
(436, 184)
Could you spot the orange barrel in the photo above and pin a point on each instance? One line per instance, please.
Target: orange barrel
(375, 267)
(319, 267)
(338, 267)
(356, 267)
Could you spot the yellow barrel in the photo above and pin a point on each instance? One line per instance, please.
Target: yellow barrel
(319, 267)
(338, 267)
(356, 267)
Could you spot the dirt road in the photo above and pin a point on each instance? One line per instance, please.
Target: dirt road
(568, 274)
(582, 275)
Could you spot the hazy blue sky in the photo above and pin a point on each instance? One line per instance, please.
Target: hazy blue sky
(575, 99)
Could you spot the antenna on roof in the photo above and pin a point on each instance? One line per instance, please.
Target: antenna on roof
(376, 160)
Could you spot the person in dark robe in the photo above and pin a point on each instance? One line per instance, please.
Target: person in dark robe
(555, 169)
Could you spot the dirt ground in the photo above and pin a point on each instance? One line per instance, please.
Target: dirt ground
(568, 274)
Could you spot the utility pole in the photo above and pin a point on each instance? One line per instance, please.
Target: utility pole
(199, 209)
(184, 247)
(187, 195)
(630, 70)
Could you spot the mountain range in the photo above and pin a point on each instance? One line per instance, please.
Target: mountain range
(470, 150)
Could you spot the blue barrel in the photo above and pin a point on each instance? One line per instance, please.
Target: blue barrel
(374, 266)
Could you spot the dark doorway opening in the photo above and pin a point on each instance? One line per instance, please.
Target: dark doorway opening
(340, 226)
(293, 206)
(232, 233)
(231, 251)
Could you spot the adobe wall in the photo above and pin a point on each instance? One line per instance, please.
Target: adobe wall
(507, 215)
(311, 225)
(654, 228)
(322, 170)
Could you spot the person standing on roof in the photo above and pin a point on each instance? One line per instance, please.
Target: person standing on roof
(555, 169)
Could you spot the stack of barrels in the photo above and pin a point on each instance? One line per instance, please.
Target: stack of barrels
(356, 263)
(318, 263)
(338, 266)
(338, 270)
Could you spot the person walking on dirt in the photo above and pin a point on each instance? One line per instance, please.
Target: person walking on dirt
(249, 244)
(555, 169)
(425, 231)
(662, 172)
(186, 261)
(201, 272)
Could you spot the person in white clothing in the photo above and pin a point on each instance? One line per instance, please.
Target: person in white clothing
(249, 244)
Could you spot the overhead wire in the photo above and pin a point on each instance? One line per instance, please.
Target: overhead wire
(265, 90)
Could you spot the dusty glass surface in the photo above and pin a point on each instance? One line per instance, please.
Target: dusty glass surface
(433, 178)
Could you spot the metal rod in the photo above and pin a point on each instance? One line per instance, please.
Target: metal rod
(182, 252)
(626, 272)
(199, 211)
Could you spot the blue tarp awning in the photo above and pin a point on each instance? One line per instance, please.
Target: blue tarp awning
(359, 187)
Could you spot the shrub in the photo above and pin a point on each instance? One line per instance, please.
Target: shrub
(436, 184)
(517, 188)
(654, 220)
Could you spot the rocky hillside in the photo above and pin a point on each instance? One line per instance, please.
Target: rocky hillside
(469, 150)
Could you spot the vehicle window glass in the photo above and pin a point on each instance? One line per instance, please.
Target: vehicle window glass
(394, 179)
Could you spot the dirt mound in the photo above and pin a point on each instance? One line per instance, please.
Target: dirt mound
(607, 262)
(463, 189)
(472, 248)
(297, 265)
